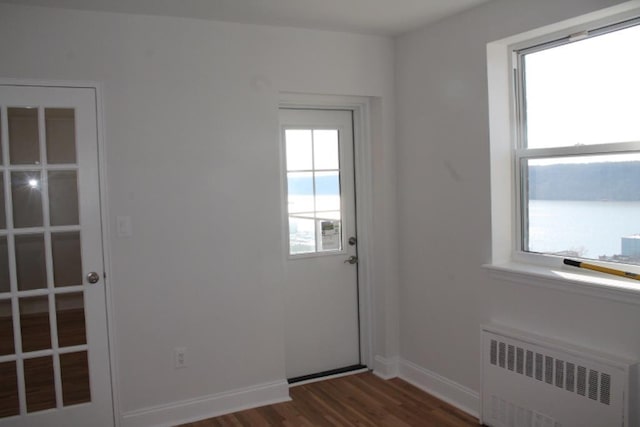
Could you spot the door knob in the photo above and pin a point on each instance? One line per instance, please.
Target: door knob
(352, 260)
(93, 277)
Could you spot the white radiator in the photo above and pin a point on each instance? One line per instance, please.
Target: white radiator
(531, 381)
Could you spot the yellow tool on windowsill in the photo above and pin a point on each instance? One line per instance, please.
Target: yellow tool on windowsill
(594, 267)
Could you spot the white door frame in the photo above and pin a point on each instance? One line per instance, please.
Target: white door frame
(360, 106)
(102, 188)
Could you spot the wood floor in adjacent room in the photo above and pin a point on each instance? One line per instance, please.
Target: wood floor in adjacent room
(355, 400)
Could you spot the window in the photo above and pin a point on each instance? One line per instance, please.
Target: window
(313, 190)
(577, 145)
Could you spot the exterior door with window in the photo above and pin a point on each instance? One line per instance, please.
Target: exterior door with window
(322, 328)
(54, 355)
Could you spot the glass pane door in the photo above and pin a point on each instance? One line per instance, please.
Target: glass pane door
(321, 260)
(54, 364)
(43, 355)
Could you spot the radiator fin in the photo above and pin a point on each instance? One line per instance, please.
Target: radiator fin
(559, 373)
(539, 366)
(510, 357)
(582, 380)
(494, 352)
(605, 389)
(571, 377)
(520, 360)
(593, 384)
(548, 369)
(529, 364)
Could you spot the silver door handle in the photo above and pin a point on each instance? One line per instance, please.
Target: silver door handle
(93, 277)
(352, 260)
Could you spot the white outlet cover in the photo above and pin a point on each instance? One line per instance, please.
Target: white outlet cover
(123, 226)
(180, 357)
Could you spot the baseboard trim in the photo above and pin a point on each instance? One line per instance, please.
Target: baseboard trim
(214, 405)
(443, 388)
(385, 368)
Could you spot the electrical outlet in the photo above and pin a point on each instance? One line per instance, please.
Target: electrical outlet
(180, 357)
(123, 226)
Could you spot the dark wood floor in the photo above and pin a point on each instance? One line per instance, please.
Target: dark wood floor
(39, 372)
(355, 400)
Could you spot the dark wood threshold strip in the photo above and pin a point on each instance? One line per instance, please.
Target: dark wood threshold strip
(326, 373)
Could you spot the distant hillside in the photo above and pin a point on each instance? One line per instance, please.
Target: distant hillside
(326, 185)
(586, 181)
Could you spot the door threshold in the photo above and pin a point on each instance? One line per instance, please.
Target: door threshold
(326, 375)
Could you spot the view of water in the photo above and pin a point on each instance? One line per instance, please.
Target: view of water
(592, 228)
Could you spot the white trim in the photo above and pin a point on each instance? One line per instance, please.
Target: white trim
(443, 388)
(364, 210)
(50, 83)
(360, 106)
(329, 377)
(204, 407)
(106, 251)
(584, 283)
(386, 368)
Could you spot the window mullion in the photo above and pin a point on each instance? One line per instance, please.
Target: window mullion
(313, 180)
(577, 150)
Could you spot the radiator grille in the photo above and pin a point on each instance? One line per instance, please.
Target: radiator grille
(510, 414)
(494, 352)
(605, 389)
(553, 371)
(530, 380)
(582, 380)
(548, 369)
(559, 373)
(510, 357)
(571, 377)
(529, 364)
(593, 385)
(519, 360)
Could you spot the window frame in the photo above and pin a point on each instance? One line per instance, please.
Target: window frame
(520, 150)
(506, 138)
(316, 253)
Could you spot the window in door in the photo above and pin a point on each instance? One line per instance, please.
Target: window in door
(313, 190)
(43, 341)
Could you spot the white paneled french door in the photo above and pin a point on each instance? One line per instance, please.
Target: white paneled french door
(54, 354)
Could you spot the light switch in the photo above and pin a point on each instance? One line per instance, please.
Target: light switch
(123, 226)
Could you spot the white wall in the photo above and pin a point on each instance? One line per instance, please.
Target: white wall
(444, 205)
(192, 156)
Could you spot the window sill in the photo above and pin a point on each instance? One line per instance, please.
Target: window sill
(567, 279)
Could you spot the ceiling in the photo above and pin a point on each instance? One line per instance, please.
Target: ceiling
(382, 17)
